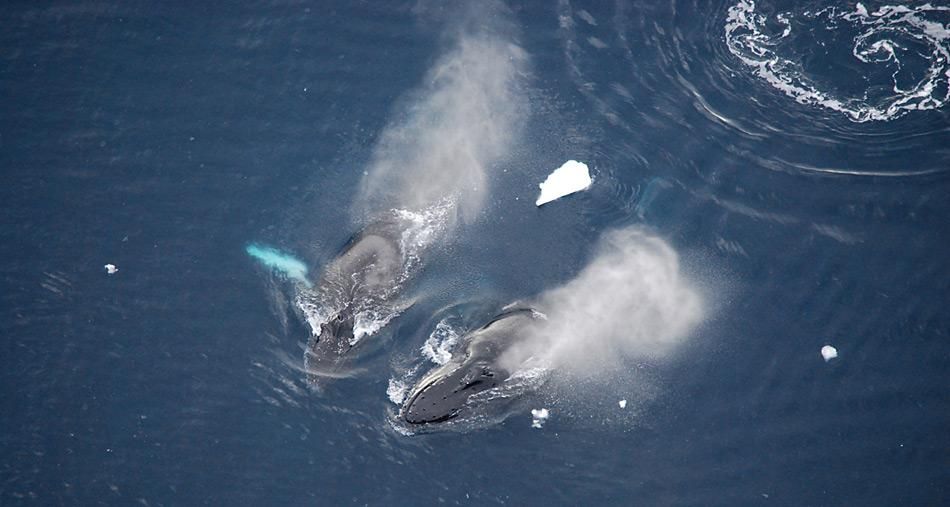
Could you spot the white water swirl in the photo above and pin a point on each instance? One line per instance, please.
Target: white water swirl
(908, 42)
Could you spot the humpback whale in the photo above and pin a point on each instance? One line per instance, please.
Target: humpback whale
(358, 289)
(449, 391)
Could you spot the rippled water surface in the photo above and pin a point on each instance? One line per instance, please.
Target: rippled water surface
(789, 163)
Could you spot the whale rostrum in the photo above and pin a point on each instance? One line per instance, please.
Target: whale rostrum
(447, 392)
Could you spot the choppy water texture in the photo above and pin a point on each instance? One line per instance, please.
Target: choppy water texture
(792, 158)
(910, 41)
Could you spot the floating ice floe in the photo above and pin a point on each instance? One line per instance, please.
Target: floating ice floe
(622, 403)
(571, 177)
(539, 415)
(111, 269)
(828, 352)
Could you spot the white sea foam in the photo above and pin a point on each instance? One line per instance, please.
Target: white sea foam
(888, 36)
(397, 389)
(538, 416)
(367, 323)
(422, 228)
(438, 347)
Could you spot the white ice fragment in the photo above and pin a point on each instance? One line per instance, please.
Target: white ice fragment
(571, 177)
(622, 403)
(539, 415)
(828, 352)
(111, 269)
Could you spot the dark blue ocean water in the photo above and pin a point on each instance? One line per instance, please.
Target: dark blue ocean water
(162, 137)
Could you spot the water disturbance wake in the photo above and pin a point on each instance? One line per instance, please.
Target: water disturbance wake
(904, 50)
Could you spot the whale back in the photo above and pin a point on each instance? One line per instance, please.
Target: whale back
(371, 262)
(364, 277)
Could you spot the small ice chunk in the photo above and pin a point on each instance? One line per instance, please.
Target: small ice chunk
(571, 177)
(862, 10)
(539, 415)
(622, 403)
(828, 352)
(111, 269)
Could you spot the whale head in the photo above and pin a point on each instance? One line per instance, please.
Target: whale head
(449, 392)
(445, 396)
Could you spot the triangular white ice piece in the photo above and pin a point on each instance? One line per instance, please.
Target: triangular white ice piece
(571, 177)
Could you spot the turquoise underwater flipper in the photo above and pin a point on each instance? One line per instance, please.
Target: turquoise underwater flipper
(282, 262)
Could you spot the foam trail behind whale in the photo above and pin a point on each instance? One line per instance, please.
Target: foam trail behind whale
(283, 262)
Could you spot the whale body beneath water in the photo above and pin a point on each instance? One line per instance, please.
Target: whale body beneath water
(361, 283)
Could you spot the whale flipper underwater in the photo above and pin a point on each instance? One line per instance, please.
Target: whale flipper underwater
(450, 392)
